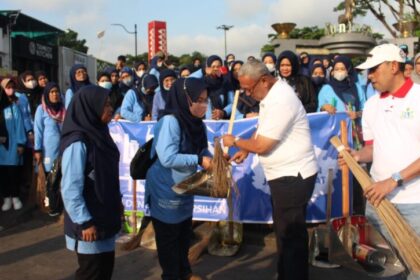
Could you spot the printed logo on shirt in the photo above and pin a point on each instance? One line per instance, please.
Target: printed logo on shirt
(407, 114)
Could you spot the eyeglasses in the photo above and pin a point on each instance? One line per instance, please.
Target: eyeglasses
(189, 100)
(251, 90)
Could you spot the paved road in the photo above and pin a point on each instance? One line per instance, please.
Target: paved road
(35, 250)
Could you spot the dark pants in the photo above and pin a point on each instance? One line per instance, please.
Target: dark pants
(95, 266)
(9, 178)
(173, 243)
(290, 196)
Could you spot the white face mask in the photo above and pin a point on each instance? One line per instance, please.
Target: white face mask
(31, 84)
(340, 75)
(271, 67)
(166, 88)
(159, 64)
(105, 84)
(140, 73)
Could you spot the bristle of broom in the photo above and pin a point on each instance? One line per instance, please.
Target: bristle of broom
(405, 238)
(222, 175)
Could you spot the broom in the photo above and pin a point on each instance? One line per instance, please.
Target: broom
(345, 177)
(41, 189)
(405, 238)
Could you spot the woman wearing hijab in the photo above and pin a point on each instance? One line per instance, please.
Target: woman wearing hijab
(216, 88)
(116, 96)
(104, 80)
(184, 71)
(137, 105)
(12, 143)
(157, 64)
(247, 106)
(342, 90)
(42, 80)
(78, 79)
(288, 67)
(90, 186)
(180, 143)
(49, 118)
(318, 77)
(166, 79)
(269, 59)
(27, 86)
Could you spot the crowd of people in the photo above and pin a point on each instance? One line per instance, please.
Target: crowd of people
(40, 123)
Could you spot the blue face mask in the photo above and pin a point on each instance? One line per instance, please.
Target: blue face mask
(128, 81)
(106, 84)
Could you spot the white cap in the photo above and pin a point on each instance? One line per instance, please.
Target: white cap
(382, 53)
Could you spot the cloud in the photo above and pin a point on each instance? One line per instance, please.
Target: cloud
(243, 9)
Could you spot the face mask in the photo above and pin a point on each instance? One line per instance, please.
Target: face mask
(105, 84)
(9, 91)
(159, 64)
(340, 75)
(140, 73)
(166, 88)
(31, 84)
(317, 80)
(271, 67)
(128, 81)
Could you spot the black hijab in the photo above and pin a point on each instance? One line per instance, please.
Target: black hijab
(215, 85)
(192, 127)
(149, 81)
(116, 96)
(83, 123)
(75, 85)
(34, 98)
(163, 75)
(54, 106)
(348, 85)
(4, 103)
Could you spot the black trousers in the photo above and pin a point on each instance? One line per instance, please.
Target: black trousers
(9, 180)
(173, 243)
(290, 196)
(95, 266)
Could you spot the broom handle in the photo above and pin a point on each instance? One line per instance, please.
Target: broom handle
(345, 173)
(232, 117)
(134, 213)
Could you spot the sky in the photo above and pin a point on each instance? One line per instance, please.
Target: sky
(191, 24)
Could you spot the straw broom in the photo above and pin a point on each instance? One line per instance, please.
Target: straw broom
(345, 178)
(41, 188)
(405, 238)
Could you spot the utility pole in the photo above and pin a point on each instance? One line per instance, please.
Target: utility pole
(225, 28)
(130, 32)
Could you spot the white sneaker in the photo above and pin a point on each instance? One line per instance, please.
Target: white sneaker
(7, 204)
(17, 204)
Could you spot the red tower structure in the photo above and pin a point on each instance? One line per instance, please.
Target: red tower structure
(157, 38)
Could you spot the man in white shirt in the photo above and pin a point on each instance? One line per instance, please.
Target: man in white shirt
(283, 144)
(391, 130)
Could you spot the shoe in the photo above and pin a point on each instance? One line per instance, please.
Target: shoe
(7, 204)
(17, 204)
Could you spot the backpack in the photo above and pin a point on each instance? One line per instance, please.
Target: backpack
(141, 161)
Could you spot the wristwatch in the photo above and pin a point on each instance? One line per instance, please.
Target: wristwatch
(397, 178)
(236, 139)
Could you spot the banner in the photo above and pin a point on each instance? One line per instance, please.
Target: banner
(253, 204)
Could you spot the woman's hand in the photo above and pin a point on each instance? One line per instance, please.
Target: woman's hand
(352, 115)
(148, 118)
(329, 108)
(217, 114)
(251, 115)
(37, 157)
(207, 163)
(117, 117)
(89, 234)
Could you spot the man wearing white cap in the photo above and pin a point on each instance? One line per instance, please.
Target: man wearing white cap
(391, 130)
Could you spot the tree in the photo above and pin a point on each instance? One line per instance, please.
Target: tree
(69, 39)
(312, 33)
(395, 7)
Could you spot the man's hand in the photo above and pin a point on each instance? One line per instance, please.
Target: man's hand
(207, 163)
(37, 157)
(89, 234)
(228, 140)
(376, 192)
(329, 108)
(342, 162)
(239, 156)
(251, 115)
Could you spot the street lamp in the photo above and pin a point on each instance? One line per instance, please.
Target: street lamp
(225, 28)
(130, 32)
(12, 19)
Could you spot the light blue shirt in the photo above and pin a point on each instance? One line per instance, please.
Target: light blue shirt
(328, 96)
(170, 168)
(17, 136)
(24, 107)
(47, 137)
(158, 104)
(68, 97)
(72, 184)
(131, 109)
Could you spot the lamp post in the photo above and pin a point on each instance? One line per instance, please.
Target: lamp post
(12, 19)
(130, 32)
(225, 28)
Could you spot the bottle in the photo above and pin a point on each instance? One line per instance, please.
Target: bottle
(368, 255)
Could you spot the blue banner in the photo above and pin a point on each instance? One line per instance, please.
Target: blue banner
(253, 204)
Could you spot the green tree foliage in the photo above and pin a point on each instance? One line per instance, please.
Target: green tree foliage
(313, 32)
(69, 39)
(399, 9)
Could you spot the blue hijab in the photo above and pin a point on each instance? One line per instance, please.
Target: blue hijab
(74, 84)
(348, 85)
(123, 87)
(192, 127)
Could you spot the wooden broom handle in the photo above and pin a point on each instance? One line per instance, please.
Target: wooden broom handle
(232, 117)
(345, 173)
(134, 214)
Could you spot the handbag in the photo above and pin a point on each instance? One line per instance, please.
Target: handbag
(54, 188)
(141, 161)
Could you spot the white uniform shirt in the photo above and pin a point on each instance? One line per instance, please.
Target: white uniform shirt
(283, 118)
(392, 124)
